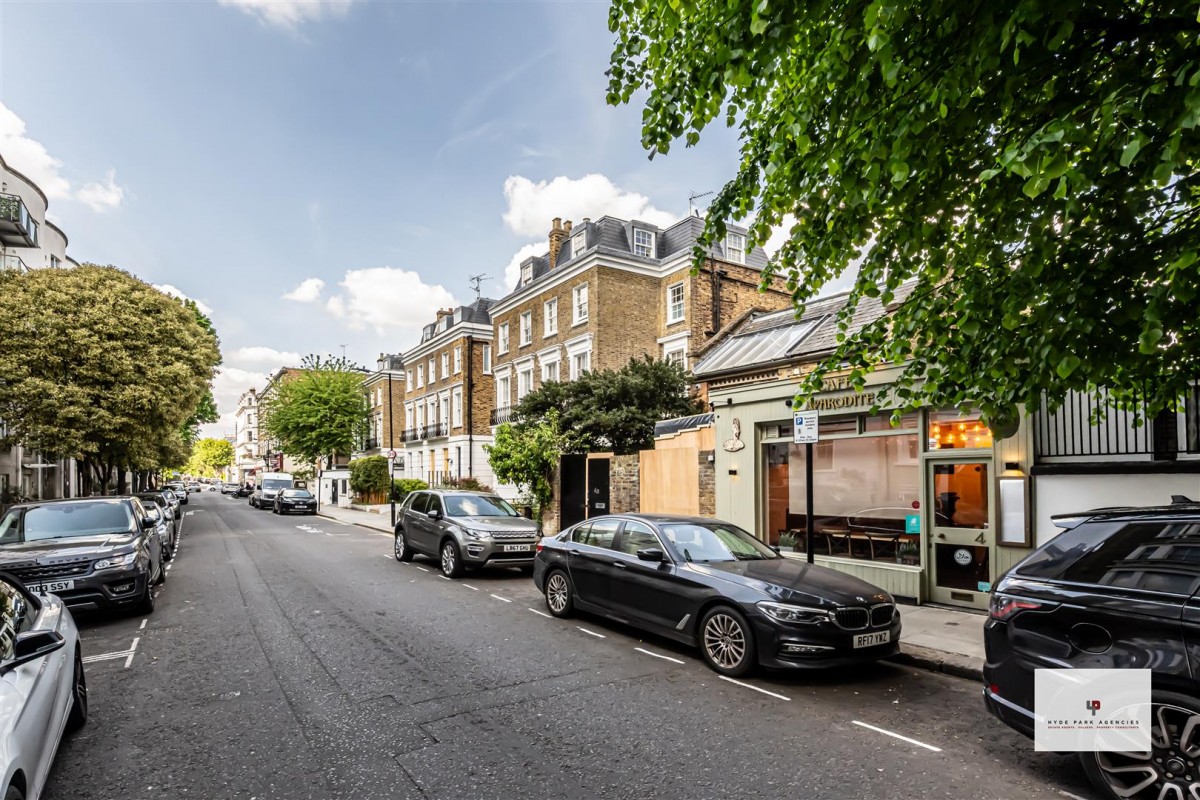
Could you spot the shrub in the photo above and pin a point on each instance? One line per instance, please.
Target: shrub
(467, 484)
(369, 476)
(402, 487)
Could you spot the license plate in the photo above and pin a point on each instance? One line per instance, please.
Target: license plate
(516, 548)
(53, 586)
(872, 639)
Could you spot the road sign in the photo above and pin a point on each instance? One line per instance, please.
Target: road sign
(392, 454)
(804, 427)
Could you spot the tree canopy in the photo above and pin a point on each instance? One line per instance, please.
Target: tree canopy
(209, 457)
(100, 366)
(612, 410)
(1019, 176)
(317, 412)
(526, 455)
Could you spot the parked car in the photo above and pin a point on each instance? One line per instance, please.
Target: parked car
(180, 490)
(43, 690)
(270, 484)
(175, 502)
(162, 526)
(95, 552)
(229, 488)
(194, 487)
(1116, 589)
(710, 584)
(160, 501)
(288, 501)
(464, 530)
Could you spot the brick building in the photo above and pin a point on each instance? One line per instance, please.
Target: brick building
(385, 392)
(447, 398)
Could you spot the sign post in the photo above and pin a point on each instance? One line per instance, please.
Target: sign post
(391, 454)
(805, 431)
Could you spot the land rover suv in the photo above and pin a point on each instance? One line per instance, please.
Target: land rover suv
(464, 530)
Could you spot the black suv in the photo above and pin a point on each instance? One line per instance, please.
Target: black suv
(93, 552)
(1118, 588)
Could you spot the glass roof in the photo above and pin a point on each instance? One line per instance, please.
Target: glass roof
(759, 346)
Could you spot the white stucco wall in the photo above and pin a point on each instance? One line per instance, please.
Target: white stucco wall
(1068, 494)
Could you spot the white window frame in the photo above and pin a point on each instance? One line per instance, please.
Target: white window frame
(550, 318)
(740, 247)
(487, 359)
(677, 350)
(526, 274)
(458, 359)
(580, 291)
(456, 408)
(551, 370)
(502, 338)
(420, 375)
(672, 318)
(647, 246)
(578, 245)
(432, 371)
(409, 417)
(526, 328)
(444, 409)
(445, 366)
(524, 381)
(503, 397)
(575, 368)
(408, 378)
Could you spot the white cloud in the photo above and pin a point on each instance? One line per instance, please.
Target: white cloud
(102, 196)
(512, 273)
(267, 357)
(290, 14)
(167, 288)
(229, 385)
(30, 157)
(779, 236)
(309, 291)
(531, 205)
(387, 299)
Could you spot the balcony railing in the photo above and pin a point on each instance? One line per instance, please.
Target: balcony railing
(412, 435)
(17, 227)
(503, 415)
(433, 431)
(13, 263)
(370, 444)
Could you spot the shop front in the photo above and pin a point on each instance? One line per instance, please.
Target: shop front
(910, 507)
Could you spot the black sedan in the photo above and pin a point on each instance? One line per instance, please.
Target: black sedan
(294, 501)
(710, 584)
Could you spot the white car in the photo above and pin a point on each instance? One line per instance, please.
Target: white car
(43, 691)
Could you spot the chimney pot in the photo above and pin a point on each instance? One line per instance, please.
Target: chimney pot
(567, 227)
(557, 237)
(557, 224)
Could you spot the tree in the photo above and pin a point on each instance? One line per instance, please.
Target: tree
(527, 455)
(612, 410)
(1020, 177)
(369, 476)
(210, 456)
(319, 412)
(100, 366)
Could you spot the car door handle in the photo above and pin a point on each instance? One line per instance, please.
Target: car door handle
(619, 564)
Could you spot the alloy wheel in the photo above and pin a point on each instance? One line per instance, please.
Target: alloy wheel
(725, 641)
(448, 559)
(399, 547)
(557, 593)
(1170, 770)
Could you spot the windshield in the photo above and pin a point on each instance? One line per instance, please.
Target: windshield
(157, 499)
(715, 542)
(73, 519)
(276, 483)
(302, 494)
(473, 505)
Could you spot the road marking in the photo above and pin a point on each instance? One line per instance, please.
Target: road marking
(897, 736)
(393, 558)
(547, 616)
(443, 577)
(755, 688)
(1065, 793)
(658, 655)
(592, 633)
(469, 586)
(132, 649)
(142, 627)
(105, 656)
(422, 569)
(502, 599)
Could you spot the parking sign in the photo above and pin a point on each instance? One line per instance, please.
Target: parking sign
(804, 427)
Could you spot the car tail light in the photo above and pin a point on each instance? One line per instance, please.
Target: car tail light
(1002, 606)
(538, 547)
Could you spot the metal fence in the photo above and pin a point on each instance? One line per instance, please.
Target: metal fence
(1088, 425)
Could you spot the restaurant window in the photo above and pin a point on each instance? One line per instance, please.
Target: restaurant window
(866, 493)
(953, 430)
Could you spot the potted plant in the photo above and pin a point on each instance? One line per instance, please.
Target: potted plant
(789, 540)
(908, 553)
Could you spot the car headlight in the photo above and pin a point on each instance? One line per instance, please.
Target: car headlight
(787, 613)
(476, 534)
(115, 561)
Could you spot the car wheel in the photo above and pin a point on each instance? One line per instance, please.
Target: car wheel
(146, 605)
(451, 559)
(78, 714)
(402, 551)
(560, 598)
(727, 642)
(14, 793)
(1170, 769)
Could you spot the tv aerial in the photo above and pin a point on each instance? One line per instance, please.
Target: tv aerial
(692, 210)
(476, 280)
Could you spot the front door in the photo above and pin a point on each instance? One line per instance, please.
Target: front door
(961, 536)
(597, 487)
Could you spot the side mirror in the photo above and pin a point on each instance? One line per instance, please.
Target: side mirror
(435, 514)
(775, 547)
(148, 523)
(32, 645)
(652, 554)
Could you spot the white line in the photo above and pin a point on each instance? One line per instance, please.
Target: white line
(547, 616)
(443, 577)
(592, 633)
(132, 649)
(339, 522)
(658, 655)
(105, 656)
(897, 736)
(422, 569)
(469, 586)
(1065, 793)
(393, 558)
(142, 627)
(755, 688)
(502, 599)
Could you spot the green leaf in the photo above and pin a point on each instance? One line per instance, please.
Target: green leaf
(1131, 150)
(1067, 365)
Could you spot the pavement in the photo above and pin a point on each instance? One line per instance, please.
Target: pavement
(933, 637)
(295, 659)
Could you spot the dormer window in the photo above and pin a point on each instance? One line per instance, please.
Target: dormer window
(526, 274)
(643, 243)
(735, 247)
(578, 245)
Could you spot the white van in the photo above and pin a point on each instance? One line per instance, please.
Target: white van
(269, 485)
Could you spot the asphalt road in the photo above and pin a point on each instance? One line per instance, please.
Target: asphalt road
(294, 658)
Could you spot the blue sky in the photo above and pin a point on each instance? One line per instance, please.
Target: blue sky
(361, 157)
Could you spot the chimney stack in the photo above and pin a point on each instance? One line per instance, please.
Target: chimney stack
(557, 236)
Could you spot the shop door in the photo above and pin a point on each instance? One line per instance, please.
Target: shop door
(961, 531)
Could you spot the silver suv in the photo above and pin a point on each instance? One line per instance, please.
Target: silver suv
(464, 529)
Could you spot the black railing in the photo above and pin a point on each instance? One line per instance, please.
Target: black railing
(412, 434)
(434, 430)
(1087, 424)
(371, 443)
(503, 415)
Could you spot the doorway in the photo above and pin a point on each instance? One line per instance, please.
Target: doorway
(962, 539)
(572, 477)
(597, 486)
